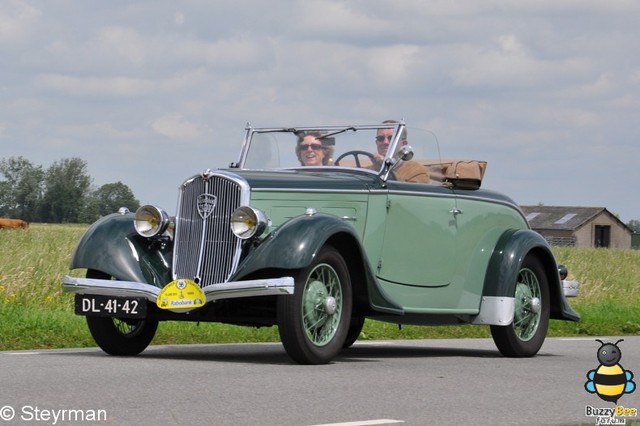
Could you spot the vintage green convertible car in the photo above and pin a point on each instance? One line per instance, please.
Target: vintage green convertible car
(314, 229)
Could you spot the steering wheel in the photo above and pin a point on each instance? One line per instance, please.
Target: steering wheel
(355, 155)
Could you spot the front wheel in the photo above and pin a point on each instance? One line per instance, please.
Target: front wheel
(525, 336)
(124, 337)
(355, 328)
(313, 322)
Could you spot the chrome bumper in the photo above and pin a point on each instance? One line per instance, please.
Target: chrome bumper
(266, 287)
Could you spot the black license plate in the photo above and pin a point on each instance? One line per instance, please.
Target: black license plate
(110, 306)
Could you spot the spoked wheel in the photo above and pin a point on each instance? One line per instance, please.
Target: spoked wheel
(124, 337)
(525, 336)
(313, 322)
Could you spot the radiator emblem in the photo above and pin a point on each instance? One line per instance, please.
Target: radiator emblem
(206, 205)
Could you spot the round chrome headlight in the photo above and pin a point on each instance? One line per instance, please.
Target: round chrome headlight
(150, 221)
(247, 222)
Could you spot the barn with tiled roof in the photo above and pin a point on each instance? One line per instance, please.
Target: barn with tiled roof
(578, 226)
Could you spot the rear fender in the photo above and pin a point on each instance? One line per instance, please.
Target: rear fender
(112, 245)
(511, 249)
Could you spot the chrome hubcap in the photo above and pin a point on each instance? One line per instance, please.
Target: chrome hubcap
(535, 305)
(330, 305)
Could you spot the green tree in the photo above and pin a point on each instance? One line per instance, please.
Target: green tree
(634, 224)
(108, 199)
(21, 192)
(6, 198)
(66, 191)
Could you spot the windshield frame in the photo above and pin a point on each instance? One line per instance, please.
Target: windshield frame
(327, 131)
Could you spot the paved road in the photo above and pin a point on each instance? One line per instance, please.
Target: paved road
(426, 382)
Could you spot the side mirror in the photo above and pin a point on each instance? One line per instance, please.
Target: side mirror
(405, 153)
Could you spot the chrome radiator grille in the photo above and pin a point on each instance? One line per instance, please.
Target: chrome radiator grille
(205, 249)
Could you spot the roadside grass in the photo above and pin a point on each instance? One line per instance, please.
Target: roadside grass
(36, 314)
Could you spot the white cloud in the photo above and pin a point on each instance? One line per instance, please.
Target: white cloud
(509, 63)
(124, 42)
(18, 20)
(107, 87)
(176, 126)
(602, 86)
(228, 53)
(142, 49)
(328, 19)
(100, 130)
(115, 87)
(392, 66)
(512, 82)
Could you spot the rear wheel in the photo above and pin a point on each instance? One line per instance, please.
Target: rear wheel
(313, 322)
(115, 336)
(525, 336)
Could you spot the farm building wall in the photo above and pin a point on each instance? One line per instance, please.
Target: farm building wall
(587, 235)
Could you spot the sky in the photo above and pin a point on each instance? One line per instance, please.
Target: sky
(150, 93)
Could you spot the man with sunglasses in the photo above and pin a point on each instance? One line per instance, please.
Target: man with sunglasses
(408, 171)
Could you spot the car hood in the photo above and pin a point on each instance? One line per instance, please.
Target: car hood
(310, 178)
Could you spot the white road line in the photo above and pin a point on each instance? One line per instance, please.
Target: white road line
(50, 351)
(365, 423)
(580, 339)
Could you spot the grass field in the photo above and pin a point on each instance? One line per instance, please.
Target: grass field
(35, 313)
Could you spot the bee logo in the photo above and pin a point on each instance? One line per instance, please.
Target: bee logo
(610, 381)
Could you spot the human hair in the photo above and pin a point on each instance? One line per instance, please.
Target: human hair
(403, 135)
(327, 151)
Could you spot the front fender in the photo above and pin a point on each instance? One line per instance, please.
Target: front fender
(112, 245)
(294, 245)
(505, 263)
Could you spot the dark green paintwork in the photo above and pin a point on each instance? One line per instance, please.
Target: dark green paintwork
(112, 244)
(301, 180)
(505, 263)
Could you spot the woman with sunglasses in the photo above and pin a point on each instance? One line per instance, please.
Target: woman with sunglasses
(311, 151)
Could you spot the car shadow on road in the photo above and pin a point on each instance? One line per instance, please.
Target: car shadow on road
(274, 353)
(369, 352)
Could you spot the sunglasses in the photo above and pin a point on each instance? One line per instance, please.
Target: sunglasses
(382, 138)
(313, 146)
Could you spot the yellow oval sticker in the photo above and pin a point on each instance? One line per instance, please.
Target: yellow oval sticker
(181, 294)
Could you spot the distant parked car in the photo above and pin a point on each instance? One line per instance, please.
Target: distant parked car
(316, 250)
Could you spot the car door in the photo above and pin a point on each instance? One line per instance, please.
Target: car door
(416, 264)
